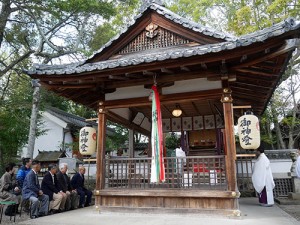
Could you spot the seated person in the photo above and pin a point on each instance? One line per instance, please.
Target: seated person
(32, 191)
(65, 185)
(77, 183)
(9, 190)
(50, 187)
(23, 171)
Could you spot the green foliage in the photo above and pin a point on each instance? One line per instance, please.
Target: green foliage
(118, 139)
(15, 109)
(101, 35)
(105, 31)
(239, 17)
(171, 141)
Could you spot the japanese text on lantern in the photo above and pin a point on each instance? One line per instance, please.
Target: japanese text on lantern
(83, 140)
(246, 131)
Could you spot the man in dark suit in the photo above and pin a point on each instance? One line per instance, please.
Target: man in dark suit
(32, 191)
(77, 182)
(50, 187)
(65, 185)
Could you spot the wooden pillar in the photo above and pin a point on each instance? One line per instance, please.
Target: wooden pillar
(230, 156)
(100, 173)
(131, 143)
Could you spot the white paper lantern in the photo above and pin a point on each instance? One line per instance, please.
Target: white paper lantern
(249, 132)
(87, 140)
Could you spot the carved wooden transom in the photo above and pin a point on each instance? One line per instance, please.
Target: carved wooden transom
(154, 37)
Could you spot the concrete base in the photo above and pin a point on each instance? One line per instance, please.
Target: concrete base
(216, 213)
(287, 201)
(294, 196)
(296, 183)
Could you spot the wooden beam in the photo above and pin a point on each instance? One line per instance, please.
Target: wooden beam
(204, 66)
(121, 120)
(112, 77)
(165, 70)
(252, 100)
(179, 193)
(253, 80)
(165, 107)
(251, 86)
(185, 68)
(148, 73)
(162, 79)
(74, 86)
(286, 47)
(196, 108)
(133, 75)
(255, 72)
(250, 92)
(242, 107)
(160, 85)
(170, 98)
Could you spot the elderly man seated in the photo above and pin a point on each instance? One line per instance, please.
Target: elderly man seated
(78, 183)
(65, 185)
(51, 188)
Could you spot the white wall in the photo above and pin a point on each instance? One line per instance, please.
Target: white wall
(280, 167)
(52, 139)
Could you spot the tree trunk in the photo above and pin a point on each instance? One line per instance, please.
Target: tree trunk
(280, 141)
(33, 122)
(1, 161)
(4, 15)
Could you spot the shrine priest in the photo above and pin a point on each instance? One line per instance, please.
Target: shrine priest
(298, 164)
(262, 178)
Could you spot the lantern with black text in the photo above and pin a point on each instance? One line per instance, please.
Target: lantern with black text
(87, 140)
(249, 133)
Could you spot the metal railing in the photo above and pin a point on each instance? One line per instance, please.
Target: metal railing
(192, 172)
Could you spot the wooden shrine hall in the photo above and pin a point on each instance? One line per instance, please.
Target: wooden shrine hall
(205, 73)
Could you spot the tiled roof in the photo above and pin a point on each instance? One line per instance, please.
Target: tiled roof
(74, 120)
(70, 118)
(176, 19)
(169, 53)
(50, 156)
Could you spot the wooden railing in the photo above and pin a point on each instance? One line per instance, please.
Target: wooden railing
(192, 172)
(244, 164)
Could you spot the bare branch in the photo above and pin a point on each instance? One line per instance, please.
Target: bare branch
(6, 86)
(15, 62)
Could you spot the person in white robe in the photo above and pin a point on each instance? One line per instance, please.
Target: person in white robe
(298, 164)
(262, 179)
(181, 159)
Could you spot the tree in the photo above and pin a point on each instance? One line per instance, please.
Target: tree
(104, 32)
(118, 139)
(15, 108)
(44, 32)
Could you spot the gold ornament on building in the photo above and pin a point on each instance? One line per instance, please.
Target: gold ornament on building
(151, 30)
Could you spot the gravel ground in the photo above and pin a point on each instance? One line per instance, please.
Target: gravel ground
(293, 210)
